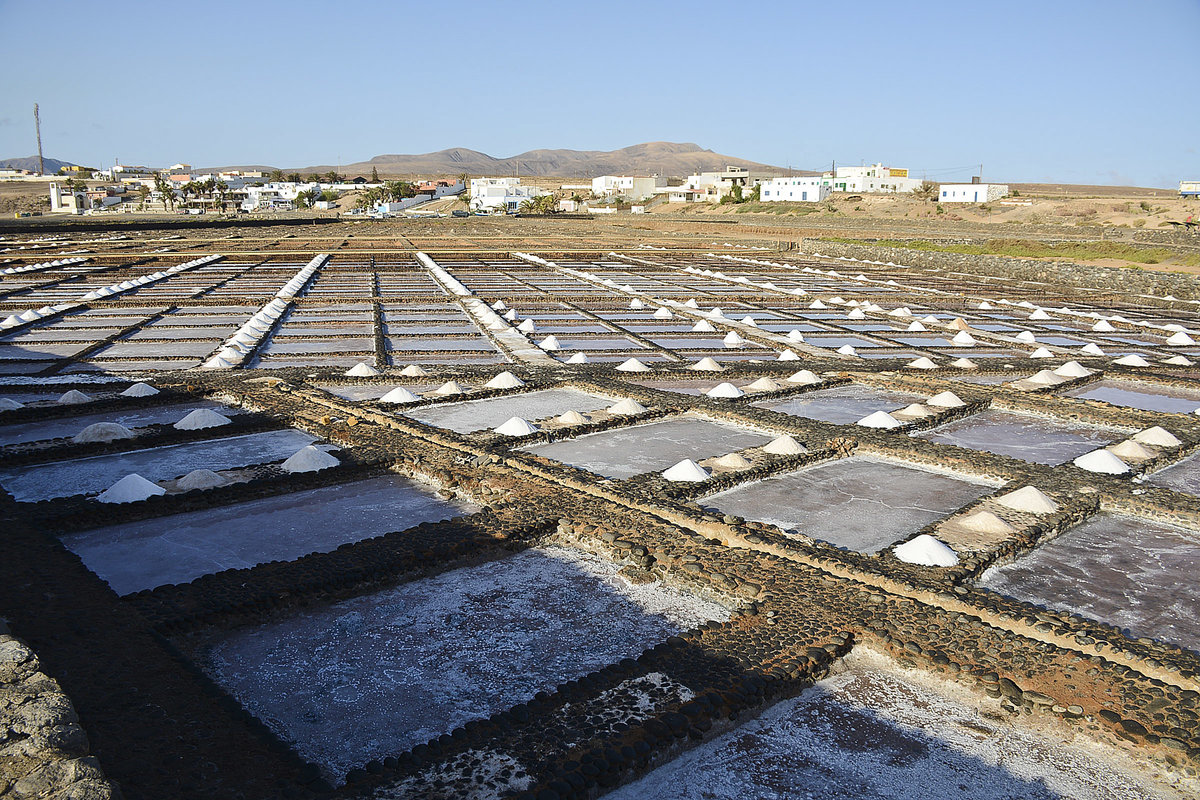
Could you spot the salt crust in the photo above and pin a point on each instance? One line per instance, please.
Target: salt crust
(200, 419)
(880, 419)
(362, 370)
(926, 551)
(399, 395)
(132, 488)
(1101, 461)
(725, 390)
(1028, 499)
(201, 479)
(102, 432)
(309, 459)
(140, 390)
(686, 471)
(784, 446)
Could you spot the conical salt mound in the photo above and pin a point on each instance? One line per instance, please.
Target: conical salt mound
(725, 390)
(309, 459)
(985, 306)
(1179, 361)
(795, 336)
(1158, 437)
(963, 363)
(399, 395)
(963, 339)
(1131, 360)
(691, 303)
(985, 522)
(1028, 499)
(626, 407)
(449, 388)
(914, 410)
(74, 398)
(817, 304)
(1041, 352)
(499, 305)
(140, 390)
(7, 404)
(1026, 336)
(632, 365)
(1046, 378)
(1130, 450)
(945, 399)
(788, 355)
(527, 326)
(1101, 461)
(732, 461)
(762, 385)
(1039, 315)
(804, 377)
(784, 446)
(201, 418)
(636, 305)
(414, 371)
(550, 343)
(663, 313)
(880, 419)
(362, 370)
(749, 320)
(578, 358)
(201, 479)
(856, 314)
(1180, 339)
(703, 326)
(1103, 326)
(923, 362)
(510, 315)
(102, 432)
(515, 426)
(505, 380)
(1073, 369)
(707, 364)
(847, 350)
(686, 471)
(132, 488)
(733, 338)
(571, 418)
(926, 551)
(958, 324)
(916, 326)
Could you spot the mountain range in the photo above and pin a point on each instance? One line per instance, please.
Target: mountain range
(53, 165)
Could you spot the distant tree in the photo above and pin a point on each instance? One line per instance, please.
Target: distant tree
(398, 190)
(221, 189)
(756, 193)
(305, 199)
(77, 185)
(328, 196)
(464, 179)
(928, 190)
(294, 177)
(163, 186)
(332, 176)
(276, 176)
(374, 175)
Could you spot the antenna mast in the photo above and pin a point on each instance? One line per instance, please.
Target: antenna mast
(37, 124)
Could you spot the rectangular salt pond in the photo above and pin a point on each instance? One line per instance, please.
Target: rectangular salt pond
(182, 547)
(377, 675)
(1129, 572)
(842, 405)
(478, 415)
(625, 452)
(858, 503)
(92, 475)
(873, 731)
(132, 418)
(1029, 438)
(1140, 395)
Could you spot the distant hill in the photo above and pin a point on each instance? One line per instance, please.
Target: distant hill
(53, 165)
(669, 159)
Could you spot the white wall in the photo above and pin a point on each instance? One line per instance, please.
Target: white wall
(971, 192)
(793, 190)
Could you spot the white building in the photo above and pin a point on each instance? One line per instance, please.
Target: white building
(971, 192)
(635, 188)
(66, 201)
(276, 195)
(503, 195)
(873, 179)
(794, 190)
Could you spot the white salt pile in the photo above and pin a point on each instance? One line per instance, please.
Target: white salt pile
(399, 395)
(571, 418)
(309, 459)
(1157, 437)
(762, 385)
(201, 418)
(686, 471)
(550, 343)
(916, 327)
(1179, 361)
(499, 305)
(414, 371)
(663, 313)
(578, 358)
(1073, 369)
(636, 305)
(132, 488)
(450, 388)
(703, 326)
(510, 315)
(516, 426)
(856, 313)
(1026, 336)
(817, 304)
(140, 390)
(201, 479)
(362, 370)
(880, 419)
(707, 364)
(1101, 461)
(1039, 315)
(749, 320)
(527, 326)
(913, 411)
(627, 407)
(732, 461)
(956, 324)
(847, 350)
(726, 390)
(691, 303)
(632, 365)
(926, 551)
(795, 336)
(1028, 499)
(102, 432)
(784, 445)
(74, 398)
(1103, 326)
(1041, 352)
(963, 363)
(733, 338)
(1131, 360)
(1180, 339)
(1045, 378)
(1130, 450)
(985, 306)
(923, 362)
(963, 339)
(505, 380)
(8, 404)
(985, 522)
(804, 377)
(946, 399)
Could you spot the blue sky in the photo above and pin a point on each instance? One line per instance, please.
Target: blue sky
(1056, 90)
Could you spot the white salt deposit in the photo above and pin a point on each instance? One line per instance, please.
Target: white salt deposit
(663, 313)
(8, 404)
(985, 306)
(707, 364)
(923, 362)
(132, 488)
(636, 305)
(73, 398)
(201, 418)
(1039, 315)
(414, 371)
(1179, 361)
(732, 461)
(963, 339)
(362, 370)
(1026, 336)
(450, 388)
(516, 426)
(788, 355)
(626, 407)
(916, 326)
(817, 304)
(102, 432)
(804, 377)
(527, 326)
(926, 551)
(1157, 437)
(946, 399)
(963, 363)
(762, 385)
(1130, 450)
(140, 390)
(309, 459)
(691, 303)
(1131, 360)
(632, 365)
(1041, 352)
(686, 471)
(505, 380)
(914, 411)
(795, 336)
(201, 479)
(1028, 499)
(784, 445)
(956, 324)
(856, 314)
(880, 419)
(571, 418)
(1180, 339)
(733, 338)
(1046, 378)
(499, 305)
(399, 395)
(703, 326)
(550, 343)
(1101, 461)
(1073, 369)
(985, 522)
(578, 358)
(727, 390)
(1091, 349)
(1103, 326)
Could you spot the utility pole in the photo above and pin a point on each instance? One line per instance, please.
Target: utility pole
(37, 124)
